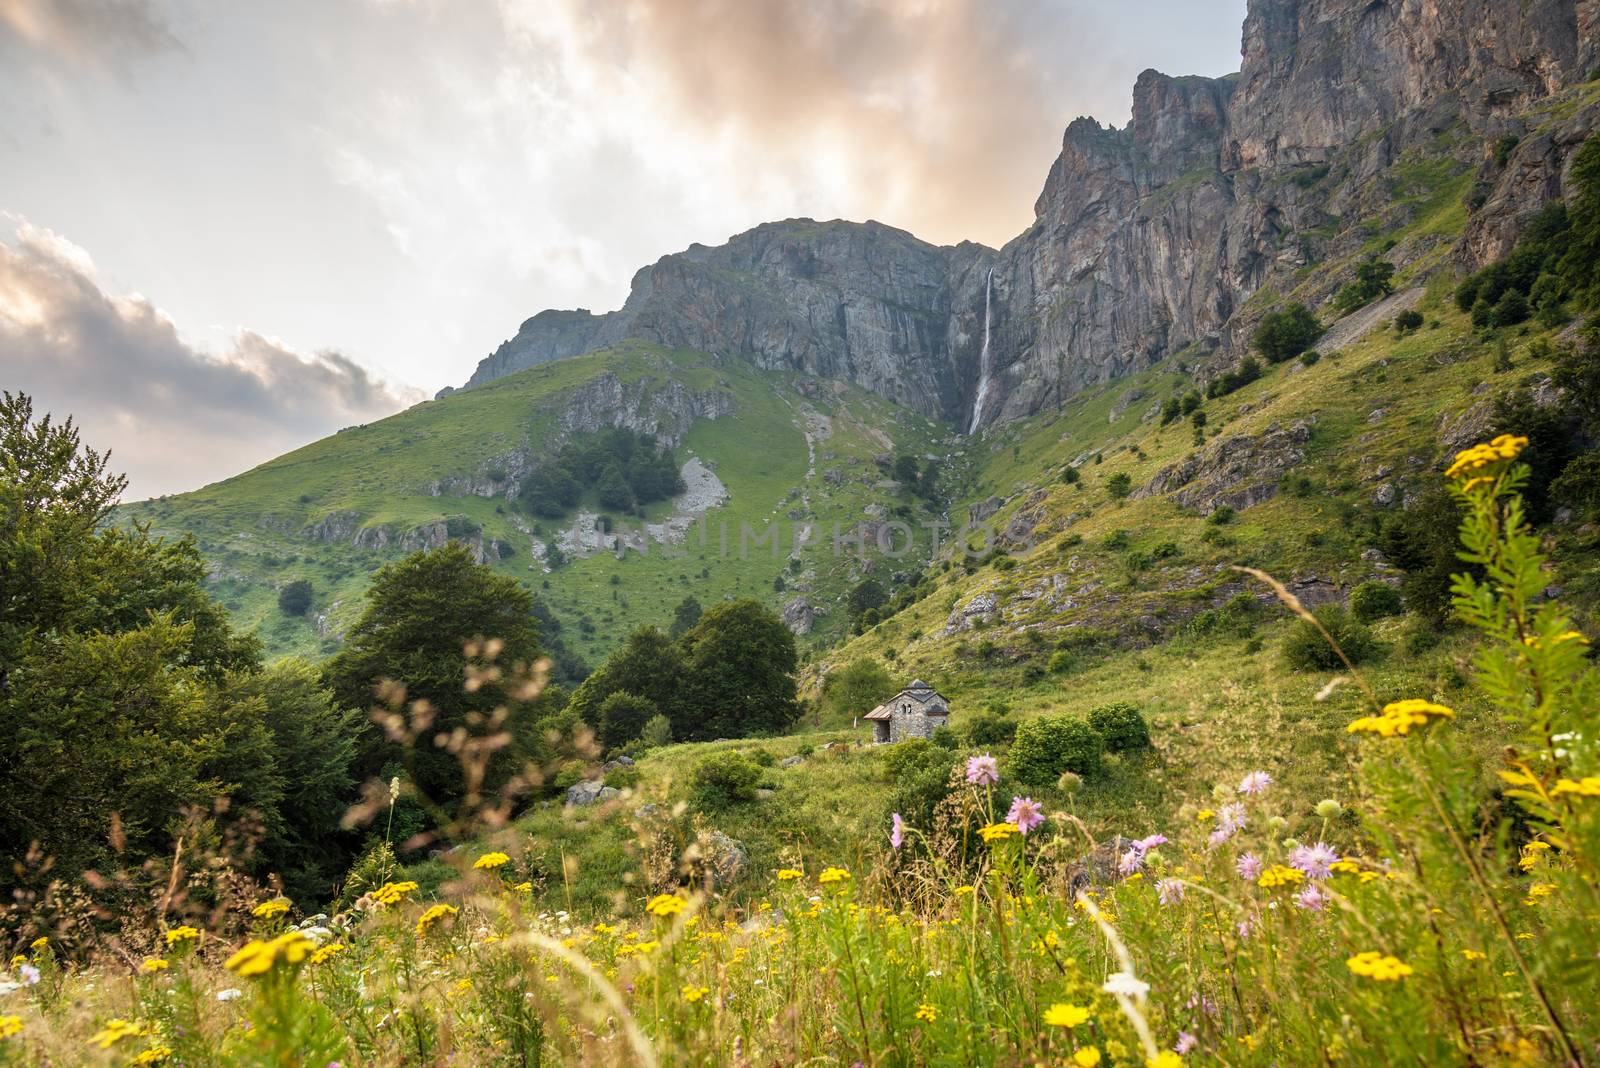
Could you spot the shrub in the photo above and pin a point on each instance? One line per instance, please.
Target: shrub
(295, 598)
(657, 732)
(1120, 485)
(1221, 515)
(1045, 747)
(1283, 335)
(992, 728)
(723, 779)
(1407, 321)
(1310, 356)
(1374, 600)
(762, 757)
(1122, 727)
(1305, 649)
(1062, 661)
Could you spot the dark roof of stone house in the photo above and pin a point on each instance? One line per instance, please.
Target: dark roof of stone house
(918, 691)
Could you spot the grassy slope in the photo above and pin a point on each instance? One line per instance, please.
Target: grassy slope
(1219, 703)
(248, 526)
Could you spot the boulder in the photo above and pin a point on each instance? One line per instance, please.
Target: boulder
(589, 792)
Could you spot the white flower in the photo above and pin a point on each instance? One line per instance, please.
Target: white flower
(29, 974)
(232, 993)
(1126, 985)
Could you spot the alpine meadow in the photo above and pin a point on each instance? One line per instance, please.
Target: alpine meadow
(1163, 639)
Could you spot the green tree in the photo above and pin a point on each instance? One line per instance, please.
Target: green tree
(857, 688)
(648, 665)
(684, 617)
(295, 598)
(1374, 279)
(1119, 485)
(865, 596)
(623, 717)
(739, 664)
(615, 494)
(420, 613)
(312, 745)
(1284, 334)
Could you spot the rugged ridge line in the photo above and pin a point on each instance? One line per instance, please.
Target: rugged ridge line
(1150, 240)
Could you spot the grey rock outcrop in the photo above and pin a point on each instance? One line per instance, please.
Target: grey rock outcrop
(1150, 240)
(1238, 470)
(589, 792)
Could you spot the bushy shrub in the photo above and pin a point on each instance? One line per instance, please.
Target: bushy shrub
(657, 732)
(762, 757)
(1121, 725)
(1120, 485)
(1045, 747)
(1408, 321)
(723, 779)
(988, 729)
(1305, 649)
(1374, 600)
(295, 598)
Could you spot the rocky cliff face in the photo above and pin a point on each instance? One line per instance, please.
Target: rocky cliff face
(1345, 117)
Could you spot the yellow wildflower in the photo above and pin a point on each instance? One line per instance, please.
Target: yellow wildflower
(1537, 892)
(833, 875)
(788, 874)
(1279, 875)
(258, 957)
(1469, 462)
(1378, 966)
(391, 893)
(39, 943)
(270, 909)
(692, 993)
(1165, 1059)
(997, 832)
(1345, 867)
(1063, 1015)
(1398, 717)
(665, 905)
(10, 1025)
(435, 913)
(115, 1031)
(155, 964)
(154, 1055)
(1204, 814)
(523, 888)
(328, 952)
(1588, 786)
(1471, 954)
(1086, 1057)
(182, 934)
(647, 947)
(927, 1012)
(963, 891)
(490, 861)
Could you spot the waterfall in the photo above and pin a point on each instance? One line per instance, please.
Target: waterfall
(983, 357)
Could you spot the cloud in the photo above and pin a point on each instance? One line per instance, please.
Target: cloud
(174, 417)
(87, 33)
(938, 115)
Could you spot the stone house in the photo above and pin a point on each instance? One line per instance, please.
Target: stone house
(915, 712)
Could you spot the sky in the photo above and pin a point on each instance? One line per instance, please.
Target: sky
(229, 228)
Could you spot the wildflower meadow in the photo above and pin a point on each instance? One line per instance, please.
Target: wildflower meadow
(1422, 920)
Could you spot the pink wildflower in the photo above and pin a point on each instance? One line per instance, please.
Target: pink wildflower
(1130, 862)
(1254, 783)
(1144, 845)
(1248, 866)
(1314, 860)
(1311, 899)
(983, 770)
(1026, 813)
(1185, 1043)
(897, 834)
(1170, 891)
(1231, 817)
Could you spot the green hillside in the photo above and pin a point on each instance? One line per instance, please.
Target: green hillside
(254, 527)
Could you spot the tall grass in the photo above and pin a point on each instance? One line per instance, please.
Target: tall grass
(1426, 921)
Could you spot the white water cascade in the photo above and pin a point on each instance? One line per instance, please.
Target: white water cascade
(983, 357)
